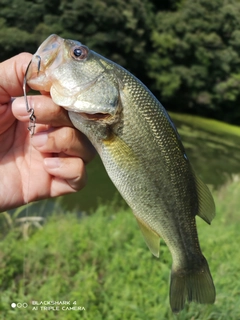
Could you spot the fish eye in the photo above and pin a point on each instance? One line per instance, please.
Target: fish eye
(79, 53)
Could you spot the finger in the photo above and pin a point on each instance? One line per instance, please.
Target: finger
(6, 117)
(45, 110)
(12, 75)
(69, 175)
(65, 140)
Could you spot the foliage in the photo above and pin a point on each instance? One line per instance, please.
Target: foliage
(117, 29)
(213, 147)
(195, 61)
(102, 263)
(186, 52)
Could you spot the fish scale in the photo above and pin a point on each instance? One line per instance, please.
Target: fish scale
(142, 153)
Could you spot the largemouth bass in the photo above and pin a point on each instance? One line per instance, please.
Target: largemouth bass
(141, 151)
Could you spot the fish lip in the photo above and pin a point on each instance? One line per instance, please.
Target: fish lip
(49, 49)
(52, 39)
(36, 76)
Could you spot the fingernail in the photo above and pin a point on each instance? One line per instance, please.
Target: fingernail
(19, 107)
(39, 139)
(52, 163)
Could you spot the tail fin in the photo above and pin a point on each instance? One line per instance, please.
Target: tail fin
(193, 285)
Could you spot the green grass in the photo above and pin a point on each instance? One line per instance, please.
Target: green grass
(210, 125)
(102, 263)
(213, 147)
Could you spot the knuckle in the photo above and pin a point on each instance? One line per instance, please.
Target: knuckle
(80, 180)
(67, 139)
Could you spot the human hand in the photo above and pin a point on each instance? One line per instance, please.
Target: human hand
(48, 164)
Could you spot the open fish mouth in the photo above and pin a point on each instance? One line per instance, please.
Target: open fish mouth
(95, 116)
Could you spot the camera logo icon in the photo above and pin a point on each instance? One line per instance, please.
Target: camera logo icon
(19, 305)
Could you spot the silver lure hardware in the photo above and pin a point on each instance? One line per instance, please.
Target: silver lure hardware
(32, 117)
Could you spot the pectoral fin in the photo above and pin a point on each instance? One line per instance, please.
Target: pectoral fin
(151, 238)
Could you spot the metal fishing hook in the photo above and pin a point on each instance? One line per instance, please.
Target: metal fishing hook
(32, 117)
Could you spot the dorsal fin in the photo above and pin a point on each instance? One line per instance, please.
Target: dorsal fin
(151, 238)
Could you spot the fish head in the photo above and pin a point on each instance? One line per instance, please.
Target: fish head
(78, 79)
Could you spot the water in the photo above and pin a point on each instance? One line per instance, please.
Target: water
(212, 147)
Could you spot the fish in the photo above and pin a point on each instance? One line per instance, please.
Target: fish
(142, 152)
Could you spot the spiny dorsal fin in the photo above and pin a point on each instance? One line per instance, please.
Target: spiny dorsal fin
(151, 238)
(206, 202)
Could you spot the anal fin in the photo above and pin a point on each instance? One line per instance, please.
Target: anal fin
(151, 238)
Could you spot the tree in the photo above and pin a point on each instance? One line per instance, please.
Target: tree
(117, 29)
(186, 51)
(195, 63)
